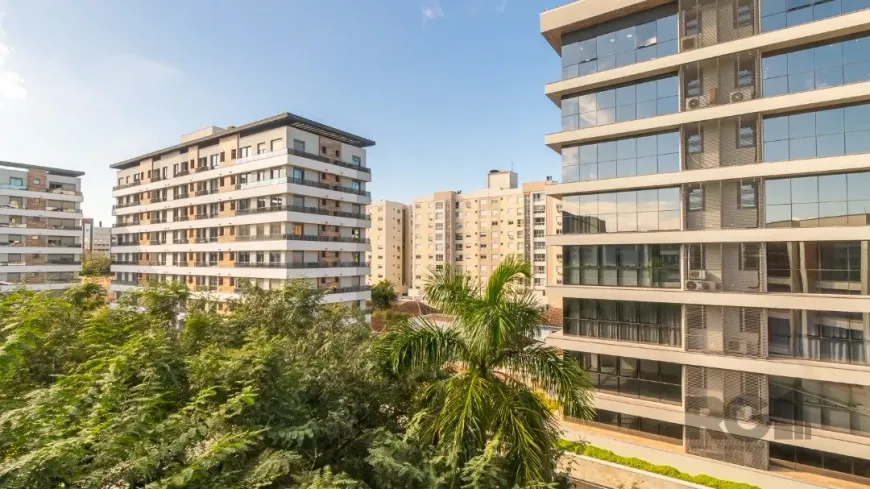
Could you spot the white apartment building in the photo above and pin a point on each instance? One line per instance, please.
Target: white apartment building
(715, 242)
(473, 232)
(40, 226)
(388, 237)
(96, 238)
(277, 199)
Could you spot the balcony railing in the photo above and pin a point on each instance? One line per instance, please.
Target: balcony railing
(125, 282)
(125, 262)
(205, 288)
(206, 191)
(127, 185)
(12, 186)
(180, 241)
(345, 290)
(63, 191)
(185, 195)
(330, 161)
(127, 204)
(181, 173)
(296, 237)
(821, 348)
(298, 265)
(206, 239)
(157, 198)
(63, 262)
(655, 334)
(61, 209)
(298, 208)
(156, 177)
(299, 181)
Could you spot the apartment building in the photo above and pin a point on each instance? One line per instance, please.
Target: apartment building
(388, 237)
(96, 239)
(715, 241)
(277, 199)
(473, 232)
(40, 226)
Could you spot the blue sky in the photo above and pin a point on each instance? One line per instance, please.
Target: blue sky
(449, 89)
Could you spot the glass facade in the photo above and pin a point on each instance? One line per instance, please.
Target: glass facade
(827, 200)
(622, 265)
(643, 155)
(825, 336)
(827, 65)
(828, 405)
(816, 134)
(620, 104)
(667, 432)
(620, 212)
(777, 14)
(638, 322)
(630, 377)
(799, 458)
(625, 41)
(814, 267)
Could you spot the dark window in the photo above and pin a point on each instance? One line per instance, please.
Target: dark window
(696, 198)
(749, 256)
(746, 134)
(695, 142)
(692, 22)
(743, 10)
(748, 195)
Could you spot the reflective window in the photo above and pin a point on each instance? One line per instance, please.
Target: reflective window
(817, 134)
(621, 42)
(639, 322)
(837, 407)
(826, 336)
(814, 267)
(630, 377)
(660, 430)
(620, 212)
(626, 103)
(798, 458)
(822, 66)
(777, 14)
(827, 200)
(622, 265)
(643, 155)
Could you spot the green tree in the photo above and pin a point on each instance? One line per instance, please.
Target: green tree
(283, 391)
(384, 295)
(486, 414)
(96, 264)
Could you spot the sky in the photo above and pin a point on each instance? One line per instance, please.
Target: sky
(448, 89)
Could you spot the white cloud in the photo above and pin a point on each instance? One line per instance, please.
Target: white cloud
(11, 83)
(432, 10)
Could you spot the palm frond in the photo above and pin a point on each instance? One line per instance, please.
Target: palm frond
(450, 291)
(419, 344)
(511, 272)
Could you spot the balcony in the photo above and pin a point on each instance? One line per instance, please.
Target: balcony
(181, 173)
(125, 282)
(299, 181)
(205, 264)
(63, 261)
(205, 288)
(125, 224)
(306, 210)
(61, 279)
(330, 161)
(206, 191)
(156, 177)
(180, 241)
(623, 331)
(12, 186)
(70, 210)
(156, 199)
(345, 290)
(206, 239)
(296, 237)
(125, 262)
(184, 195)
(206, 216)
(300, 265)
(128, 204)
(127, 185)
(154, 242)
(64, 191)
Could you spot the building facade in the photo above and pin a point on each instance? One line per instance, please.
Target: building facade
(715, 194)
(96, 239)
(277, 199)
(388, 238)
(473, 232)
(40, 226)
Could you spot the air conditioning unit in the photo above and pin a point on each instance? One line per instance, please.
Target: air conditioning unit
(741, 94)
(689, 42)
(704, 411)
(698, 274)
(700, 285)
(738, 347)
(693, 103)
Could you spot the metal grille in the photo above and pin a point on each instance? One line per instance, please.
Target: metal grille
(733, 331)
(728, 394)
(724, 204)
(709, 22)
(722, 142)
(718, 81)
(735, 449)
(731, 267)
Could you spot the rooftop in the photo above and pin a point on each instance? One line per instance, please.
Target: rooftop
(50, 170)
(284, 119)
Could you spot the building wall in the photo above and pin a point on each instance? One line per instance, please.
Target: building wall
(387, 237)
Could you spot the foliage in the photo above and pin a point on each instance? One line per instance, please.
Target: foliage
(280, 392)
(96, 264)
(665, 470)
(482, 412)
(384, 295)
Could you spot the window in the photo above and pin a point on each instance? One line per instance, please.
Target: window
(261, 148)
(622, 265)
(643, 155)
(825, 65)
(647, 36)
(277, 144)
(744, 75)
(694, 140)
(830, 405)
(637, 100)
(630, 377)
(827, 200)
(693, 86)
(696, 257)
(748, 195)
(638, 322)
(696, 198)
(16, 182)
(749, 256)
(776, 14)
(299, 145)
(37, 181)
(245, 152)
(743, 10)
(692, 23)
(357, 161)
(746, 134)
(630, 211)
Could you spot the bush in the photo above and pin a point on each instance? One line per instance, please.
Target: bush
(384, 295)
(636, 463)
(96, 264)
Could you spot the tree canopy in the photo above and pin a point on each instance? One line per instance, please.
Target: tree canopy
(159, 391)
(384, 295)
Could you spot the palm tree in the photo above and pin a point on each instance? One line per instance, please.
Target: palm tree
(491, 397)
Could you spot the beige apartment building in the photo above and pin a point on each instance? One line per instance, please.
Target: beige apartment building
(388, 237)
(715, 244)
(473, 232)
(40, 227)
(277, 199)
